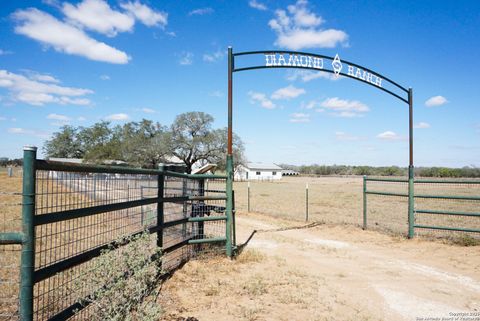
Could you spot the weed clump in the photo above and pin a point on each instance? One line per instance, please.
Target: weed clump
(121, 281)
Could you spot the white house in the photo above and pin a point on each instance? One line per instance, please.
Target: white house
(258, 171)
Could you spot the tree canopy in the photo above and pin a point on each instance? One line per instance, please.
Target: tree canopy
(190, 138)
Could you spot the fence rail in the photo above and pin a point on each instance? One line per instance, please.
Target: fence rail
(72, 212)
(449, 205)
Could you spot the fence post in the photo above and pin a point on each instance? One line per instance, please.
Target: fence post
(411, 203)
(234, 234)
(201, 225)
(229, 207)
(248, 197)
(141, 207)
(28, 247)
(411, 173)
(160, 216)
(306, 202)
(364, 202)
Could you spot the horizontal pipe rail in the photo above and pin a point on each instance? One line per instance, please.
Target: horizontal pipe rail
(447, 213)
(208, 198)
(450, 197)
(422, 181)
(174, 223)
(211, 240)
(11, 238)
(103, 169)
(384, 179)
(445, 181)
(88, 211)
(457, 229)
(47, 165)
(207, 218)
(386, 193)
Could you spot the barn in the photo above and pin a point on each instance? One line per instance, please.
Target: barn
(258, 171)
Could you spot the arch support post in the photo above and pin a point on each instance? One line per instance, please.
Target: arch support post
(229, 162)
(411, 193)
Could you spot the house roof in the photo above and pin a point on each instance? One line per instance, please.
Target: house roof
(263, 166)
(289, 171)
(205, 169)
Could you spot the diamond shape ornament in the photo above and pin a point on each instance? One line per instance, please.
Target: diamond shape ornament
(337, 65)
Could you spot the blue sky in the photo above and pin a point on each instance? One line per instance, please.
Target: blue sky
(80, 62)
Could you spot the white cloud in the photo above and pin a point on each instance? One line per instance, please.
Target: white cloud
(45, 78)
(299, 118)
(59, 117)
(5, 52)
(148, 111)
(344, 108)
(200, 12)
(31, 132)
(213, 57)
(145, 14)
(262, 99)
(117, 117)
(186, 58)
(32, 91)
(97, 15)
(389, 135)
(436, 101)
(422, 125)
(81, 118)
(288, 92)
(307, 75)
(216, 93)
(2, 118)
(342, 136)
(299, 28)
(310, 105)
(64, 37)
(105, 77)
(257, 5)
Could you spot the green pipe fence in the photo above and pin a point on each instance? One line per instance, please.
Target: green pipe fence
(433, 204)
(73, 212)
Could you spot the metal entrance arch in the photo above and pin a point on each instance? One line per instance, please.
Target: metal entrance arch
(321, 63)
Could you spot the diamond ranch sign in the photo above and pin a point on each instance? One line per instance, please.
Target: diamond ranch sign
(315, 62)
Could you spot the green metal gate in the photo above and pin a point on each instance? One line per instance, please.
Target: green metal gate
(70, 213)
(439, 204)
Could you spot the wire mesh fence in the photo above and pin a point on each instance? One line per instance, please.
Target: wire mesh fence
(442, 208)
(80, 211)
(10, 221)
(447, 208)
(330, 199)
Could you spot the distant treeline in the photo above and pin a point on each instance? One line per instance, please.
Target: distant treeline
(384, 170)
(5, 161)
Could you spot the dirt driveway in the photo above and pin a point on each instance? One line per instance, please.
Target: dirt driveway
(327, 273)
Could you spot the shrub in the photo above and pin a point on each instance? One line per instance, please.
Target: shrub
(121, 279)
